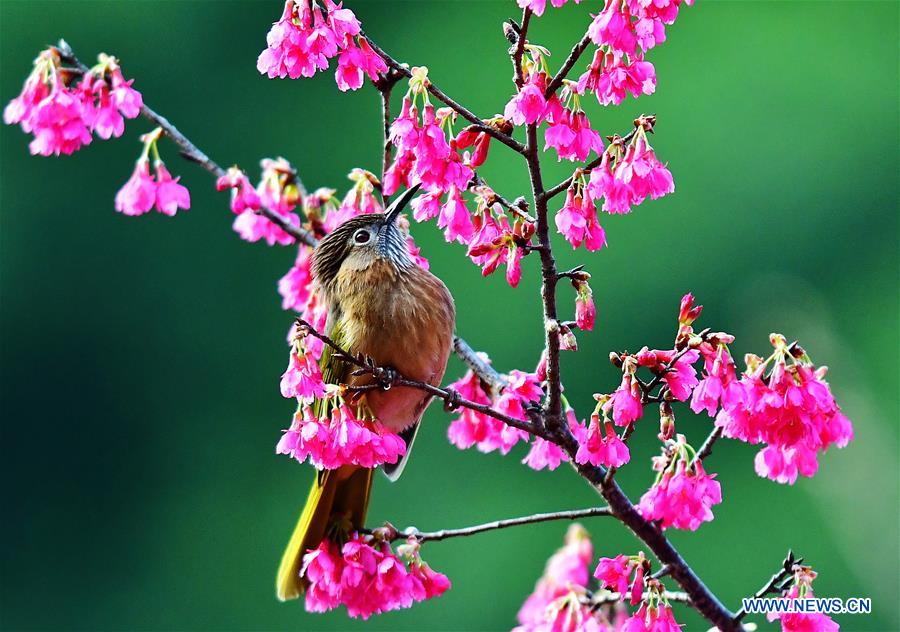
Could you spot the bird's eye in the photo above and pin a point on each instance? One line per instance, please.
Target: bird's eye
(361, 236)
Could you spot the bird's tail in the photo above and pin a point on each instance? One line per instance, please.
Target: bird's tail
(335, 493)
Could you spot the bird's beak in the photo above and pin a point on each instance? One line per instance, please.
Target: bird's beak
(393, 211)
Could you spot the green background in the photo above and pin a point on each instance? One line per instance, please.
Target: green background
(141, 356)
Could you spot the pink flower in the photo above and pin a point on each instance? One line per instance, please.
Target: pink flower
(612, 27)
(21, 108)
(614, 573)
(625, 402)
(170, 196)
(611, 79)
(354, 63)
(602, 447)
(636, 175)
(138, 195)
(243, 195)
(803, 621)
(566, 571)
(302, 379)
(791, 409)
(680, 375)
(398, 173)
(404, 131)
(414, 254)
(366, 577)
(544, 454)
(495, 242)
(253, 227)
(486, 433)
(528, 105)
(428, 583)
(339, 439)
(323, 567)
(577, 222)
(719, 383)
(537, 6)
(652, 619)
(481, 142)
(649, 32)
(572, 137)
(302, 42)
(455, 218)
(585, 310)
(57, 123)
(295, 287)
(682, 499)
(277, 188)
(426, 206)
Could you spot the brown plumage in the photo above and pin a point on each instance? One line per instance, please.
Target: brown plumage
(383, 305)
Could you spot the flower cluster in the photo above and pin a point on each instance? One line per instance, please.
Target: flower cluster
(277, 192)
(338, 438)
(62, 113)
(563, 601)
(487, 434)
(367, 577)
(305, 38)
(142, 191)
(683, 494)
(555, 603)
(327, 429)
(623, 31)
(494, 241)
(628, 174)
(782, 401)
(614, 573)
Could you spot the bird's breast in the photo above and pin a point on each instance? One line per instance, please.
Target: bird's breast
(402, 319)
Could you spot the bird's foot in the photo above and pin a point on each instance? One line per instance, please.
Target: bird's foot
(386, 377)
(452, 401)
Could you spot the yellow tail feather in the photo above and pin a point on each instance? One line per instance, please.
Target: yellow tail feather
(341, 492)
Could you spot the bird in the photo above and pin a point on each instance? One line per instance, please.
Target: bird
(383, 305)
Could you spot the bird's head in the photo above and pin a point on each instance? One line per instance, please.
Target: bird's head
(362, 240)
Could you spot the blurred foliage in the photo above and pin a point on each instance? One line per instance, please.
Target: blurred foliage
(140, 357)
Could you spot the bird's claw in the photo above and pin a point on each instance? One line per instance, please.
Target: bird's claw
(386, 377)
(452, 402)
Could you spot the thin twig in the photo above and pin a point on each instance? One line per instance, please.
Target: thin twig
(387, 378)
(192, 153)
(570, 61)
(444, 534)
(787, 567)
(519, 49)
(385, 86)
(706, 449)
(439, 94)
(605, 598)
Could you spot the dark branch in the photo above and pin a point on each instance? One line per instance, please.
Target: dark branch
(439, 94)
(570, 61)
(386, 378)
(774, 583)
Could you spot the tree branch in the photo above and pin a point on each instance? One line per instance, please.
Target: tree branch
(386, 378)
(570, 61)
(444, 534)
(439, 94)
(385, 86)
(773, 585)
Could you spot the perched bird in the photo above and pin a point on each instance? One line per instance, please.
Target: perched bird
(385, 306)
